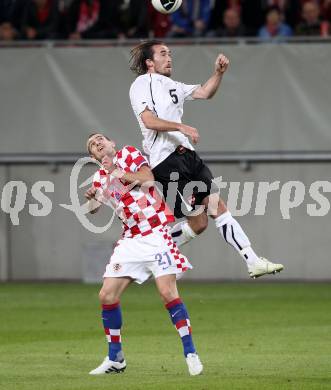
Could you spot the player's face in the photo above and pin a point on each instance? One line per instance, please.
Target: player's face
(162, 61)
(100, 147)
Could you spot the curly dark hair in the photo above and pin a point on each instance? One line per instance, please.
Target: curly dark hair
(140, 54)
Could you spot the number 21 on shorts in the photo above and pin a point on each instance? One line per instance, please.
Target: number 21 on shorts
(164, 260)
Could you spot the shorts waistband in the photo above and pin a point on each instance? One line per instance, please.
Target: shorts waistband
(181, 149)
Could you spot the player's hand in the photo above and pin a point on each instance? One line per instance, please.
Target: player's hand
(117, 173)
(191, 132)
(90, 193)
(221, 64)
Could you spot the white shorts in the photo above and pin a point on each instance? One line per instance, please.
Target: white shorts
(141, 257)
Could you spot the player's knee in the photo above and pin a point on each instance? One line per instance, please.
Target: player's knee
(107, 297)
(202, 224)
(199, 223)
(221, 209)
(167, 295)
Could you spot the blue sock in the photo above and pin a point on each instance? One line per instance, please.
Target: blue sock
(112, 322)
(181, 320)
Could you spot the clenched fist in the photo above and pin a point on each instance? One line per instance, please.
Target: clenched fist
(221, 63)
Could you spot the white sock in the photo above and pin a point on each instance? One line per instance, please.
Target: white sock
(234, 235)
(182, 233)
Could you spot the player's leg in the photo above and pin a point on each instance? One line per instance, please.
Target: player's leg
(226, 225)
(109, 296)
(233, 234)
(184, 231)
(167, 288)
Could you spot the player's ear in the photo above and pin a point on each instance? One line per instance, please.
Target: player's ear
(149, 63)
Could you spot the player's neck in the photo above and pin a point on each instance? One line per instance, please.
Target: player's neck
(157, 74)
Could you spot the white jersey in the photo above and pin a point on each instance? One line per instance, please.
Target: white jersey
(165, 97)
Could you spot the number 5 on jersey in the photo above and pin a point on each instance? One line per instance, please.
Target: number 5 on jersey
(174, 97)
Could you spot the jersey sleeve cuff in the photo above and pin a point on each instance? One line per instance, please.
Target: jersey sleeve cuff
(188, 95)
(143, 107)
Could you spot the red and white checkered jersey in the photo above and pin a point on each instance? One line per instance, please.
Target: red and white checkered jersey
(141, 209)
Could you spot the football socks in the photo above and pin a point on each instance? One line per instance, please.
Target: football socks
(180, 318)
(112, 322)
(234, 235)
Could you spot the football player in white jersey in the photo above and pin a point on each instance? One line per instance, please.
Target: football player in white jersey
(157, 102)
(145, 249)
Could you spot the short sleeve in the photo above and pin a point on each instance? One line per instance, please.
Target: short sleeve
(188, 89)
(130, 159)
(141, 96)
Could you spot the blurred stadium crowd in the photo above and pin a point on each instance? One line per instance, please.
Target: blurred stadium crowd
(122, 19)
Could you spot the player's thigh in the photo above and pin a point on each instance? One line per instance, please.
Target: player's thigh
(136, 271)
(167, 287)
(173, 194)
(169, 265)
(209, 197)
(174, 167)
(112, 289)
(204, 177)
(171, 176)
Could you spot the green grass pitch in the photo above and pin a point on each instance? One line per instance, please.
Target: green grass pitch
(249, 336)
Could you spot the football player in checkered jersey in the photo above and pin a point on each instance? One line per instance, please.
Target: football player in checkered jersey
(146, 248)
(157, 102)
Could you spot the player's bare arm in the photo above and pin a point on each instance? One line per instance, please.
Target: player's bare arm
(210, 87)
(143, 175)
(153, 122)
